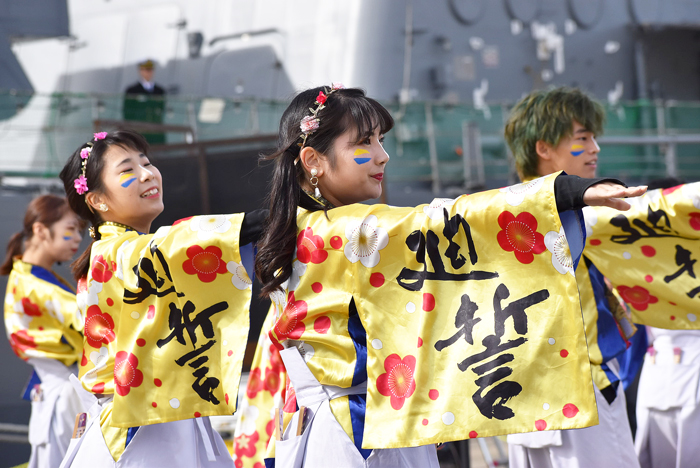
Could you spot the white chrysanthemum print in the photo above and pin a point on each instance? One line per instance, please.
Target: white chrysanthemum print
(99, 360)
(161, 232)
(515, 194)
(298, 270)
(305, 349)
(206, 226)
(94, 288)
(643, 202)
(365, 240)
(82, 299)
(561, 254)
(240, 278)
(18, 320)
(120, 259)
(247, 416)
(435, 210)
(590, 219)
(53, 306)
(277, 298)
(692, 191)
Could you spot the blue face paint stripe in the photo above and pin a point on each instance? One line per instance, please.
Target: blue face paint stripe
(577, 153)
(67, 237)
(128, 182)
(361, 160)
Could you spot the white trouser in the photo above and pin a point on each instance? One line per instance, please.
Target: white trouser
(668, 414)
(190, 443)
(54, 407)
(607, 445)
(323, 442)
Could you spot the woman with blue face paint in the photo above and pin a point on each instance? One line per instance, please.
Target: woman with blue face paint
(44, 324)
(166, 314)
(365, 296)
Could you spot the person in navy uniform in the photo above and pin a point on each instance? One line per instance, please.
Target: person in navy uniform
(145, 101)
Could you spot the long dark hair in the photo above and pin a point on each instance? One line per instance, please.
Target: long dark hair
(45, 209)
(344, 109)
(93, 173)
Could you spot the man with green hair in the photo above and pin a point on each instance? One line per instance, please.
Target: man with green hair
(550, 131)
(555, 130)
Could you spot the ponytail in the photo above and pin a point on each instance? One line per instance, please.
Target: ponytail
(14, 248)
(273, 262)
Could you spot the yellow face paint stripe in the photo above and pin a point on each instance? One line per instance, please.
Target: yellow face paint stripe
(358, 152)
(127, 179)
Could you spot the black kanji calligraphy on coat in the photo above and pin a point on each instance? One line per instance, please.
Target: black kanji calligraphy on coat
(492, 402)
(685, 262)
(184, 322)
(429, 243)
(148, 281)
(180, 321)
(657, 224)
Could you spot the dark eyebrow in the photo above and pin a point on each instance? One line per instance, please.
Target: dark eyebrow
(127, 160)
(583, 130)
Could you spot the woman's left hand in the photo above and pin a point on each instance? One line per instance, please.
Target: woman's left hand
(610, 194)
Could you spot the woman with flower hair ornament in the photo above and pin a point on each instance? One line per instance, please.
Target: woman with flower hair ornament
(166, 314)
(368, 298)
(43, 322)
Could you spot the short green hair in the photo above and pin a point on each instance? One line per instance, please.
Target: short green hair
(548, 116)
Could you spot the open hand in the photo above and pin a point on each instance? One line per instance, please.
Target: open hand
(610, 194)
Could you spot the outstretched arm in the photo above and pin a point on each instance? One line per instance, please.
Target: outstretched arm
(610, 194)
(573, 193)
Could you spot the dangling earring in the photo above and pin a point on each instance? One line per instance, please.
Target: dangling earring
(103, 207)
(314, 182)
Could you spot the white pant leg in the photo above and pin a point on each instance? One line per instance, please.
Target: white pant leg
(661, 438)
(176, 444)
(607, 445)
(53, 416)
(67, 408)
(668, 417)
(524, 457)
(688, 433)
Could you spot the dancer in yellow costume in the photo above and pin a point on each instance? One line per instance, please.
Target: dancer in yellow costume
(555, 130)
(404, 327)
(166, 314)
(43, 322)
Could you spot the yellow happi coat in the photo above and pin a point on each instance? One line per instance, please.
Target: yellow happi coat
(42, 319)
(649, 254)
(470, 308)
(166, 323)
(265, 391)
(607, 329)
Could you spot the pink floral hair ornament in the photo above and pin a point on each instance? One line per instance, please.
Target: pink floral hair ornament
(80, 183)
(310, 123)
